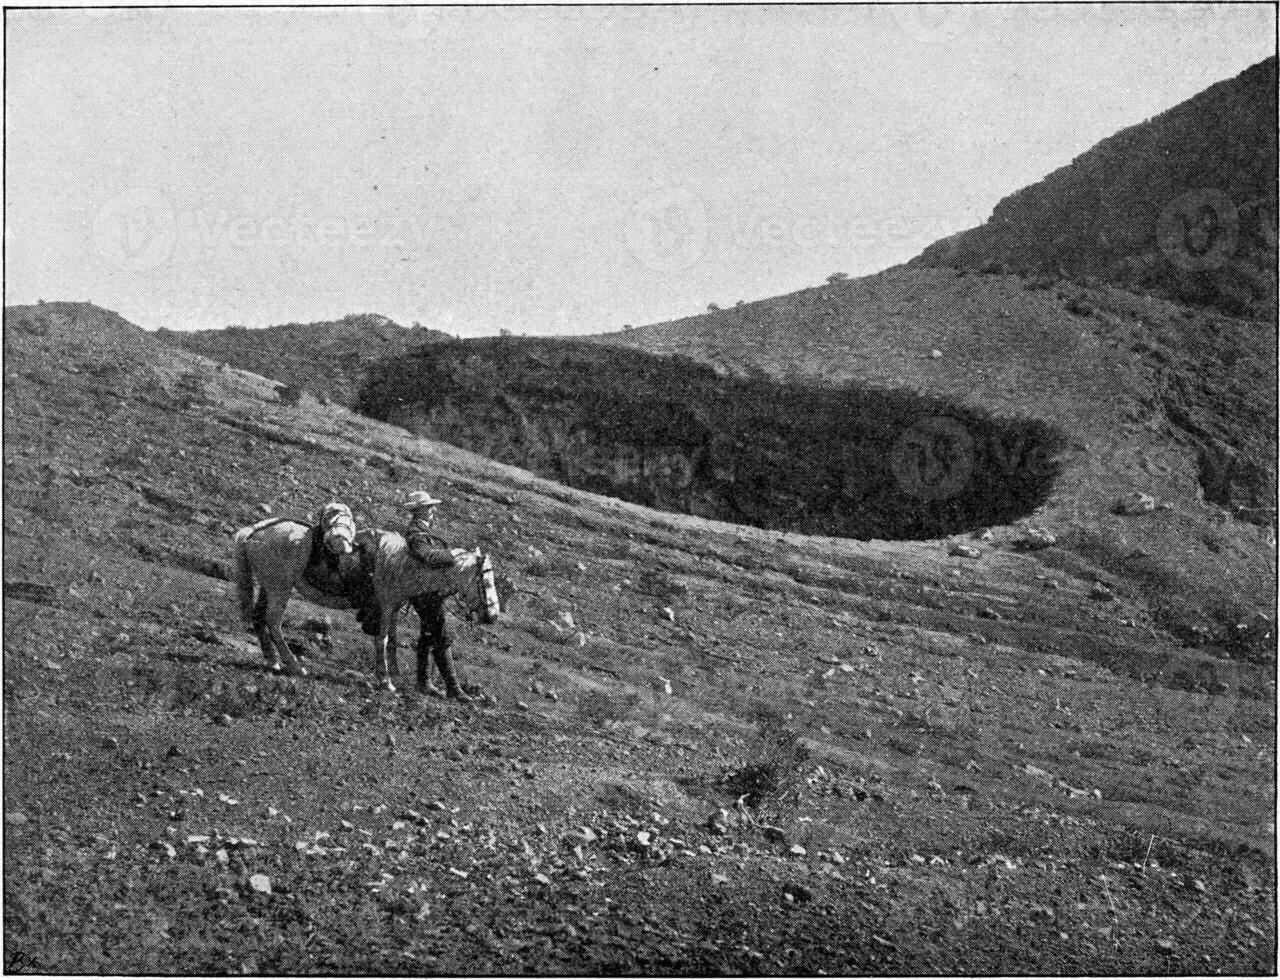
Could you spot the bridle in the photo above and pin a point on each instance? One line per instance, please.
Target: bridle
(485, 587)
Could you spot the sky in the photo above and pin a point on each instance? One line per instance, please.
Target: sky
(548, 170)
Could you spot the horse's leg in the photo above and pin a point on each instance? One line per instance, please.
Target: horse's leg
(272, 618)
(269, 652)
(442, 640)
(380, 652)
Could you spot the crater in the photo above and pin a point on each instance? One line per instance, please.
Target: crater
(667, 432)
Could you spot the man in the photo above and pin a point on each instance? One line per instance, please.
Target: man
(424, 543)
(429, 547)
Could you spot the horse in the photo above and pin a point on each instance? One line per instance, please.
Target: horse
(279, 554)
(375, 572)
(399, 577)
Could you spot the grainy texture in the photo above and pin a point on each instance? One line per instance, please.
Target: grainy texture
(704, 749)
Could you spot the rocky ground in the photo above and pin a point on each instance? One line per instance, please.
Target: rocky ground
(704, 749)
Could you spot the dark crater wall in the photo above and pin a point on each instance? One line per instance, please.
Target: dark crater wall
(673, 434)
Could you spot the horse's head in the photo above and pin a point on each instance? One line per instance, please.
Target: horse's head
(338, 527)
(482, 598)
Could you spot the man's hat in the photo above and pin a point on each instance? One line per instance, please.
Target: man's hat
(419, 498)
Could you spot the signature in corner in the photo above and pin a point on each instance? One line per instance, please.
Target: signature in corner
(23, 961)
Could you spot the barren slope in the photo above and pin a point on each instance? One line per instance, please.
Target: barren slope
(1183, 204)
(739, 751)
(1154, 397)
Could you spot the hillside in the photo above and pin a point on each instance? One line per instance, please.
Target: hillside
(673, 434)
(1183, 205)
(697, 747)
(327, 359)
(1152, 396)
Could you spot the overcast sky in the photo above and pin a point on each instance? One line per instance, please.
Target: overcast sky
(548, 170)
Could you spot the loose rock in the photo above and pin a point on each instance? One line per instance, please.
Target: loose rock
(1036, 538)
(1135, 503)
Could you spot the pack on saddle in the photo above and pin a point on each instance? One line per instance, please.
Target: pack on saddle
(355, 579)
(326, 570)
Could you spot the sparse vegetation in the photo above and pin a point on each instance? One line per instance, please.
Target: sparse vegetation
(1215, 151)
(670, 433)
(172, 808)
(701, 749)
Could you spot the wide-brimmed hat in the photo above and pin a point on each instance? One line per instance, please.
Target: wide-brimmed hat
(420, 498)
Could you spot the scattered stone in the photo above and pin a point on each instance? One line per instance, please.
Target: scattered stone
(110, 743)
(965, 551)
(566, 619)
(668, 614)
(989, 613)
(1134, 503)
(797, 893)
(798, 850)
(260, 883)
(935, 354)
(1036, 538)
(166, 848)
(15, 818)
(224, 720)
(1101, 593)
(985, 535)
(265, 508)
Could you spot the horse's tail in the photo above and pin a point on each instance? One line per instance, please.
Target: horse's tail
(244, 574)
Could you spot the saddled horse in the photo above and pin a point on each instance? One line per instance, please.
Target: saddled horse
(399, 578)
(373, 571)
(275, 556)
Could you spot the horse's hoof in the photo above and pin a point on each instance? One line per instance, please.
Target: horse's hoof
(460, 697)
(430, 689)
(387, 686)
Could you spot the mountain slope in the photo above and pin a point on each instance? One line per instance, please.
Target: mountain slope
(706, 748)
(1153, 398)
(1183, 205)
(327, 359)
